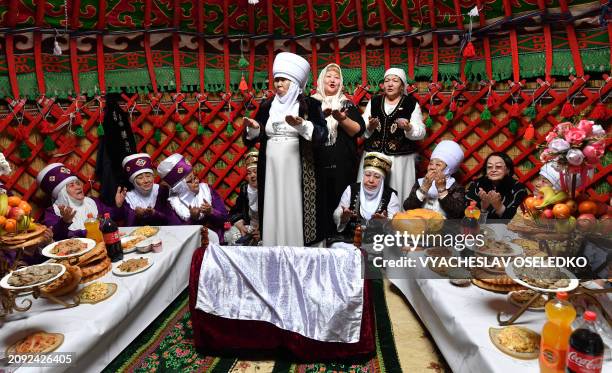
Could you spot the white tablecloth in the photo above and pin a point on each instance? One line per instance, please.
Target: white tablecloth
(98, 333)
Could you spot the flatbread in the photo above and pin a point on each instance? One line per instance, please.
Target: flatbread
(67, 287)
(490, 278)
(96, 276)
(96, 267)
(496, 288)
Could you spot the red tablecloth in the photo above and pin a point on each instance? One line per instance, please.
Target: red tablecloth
(213, 334)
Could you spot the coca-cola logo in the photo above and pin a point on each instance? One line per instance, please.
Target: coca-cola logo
(590, 363)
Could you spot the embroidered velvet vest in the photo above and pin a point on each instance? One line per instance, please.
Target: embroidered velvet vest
(355, 205)
(387, 137)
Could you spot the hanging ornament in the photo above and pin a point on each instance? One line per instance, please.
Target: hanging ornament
(491, 101)
(79, 131)
(100, 130)
(469, 51)
(44, 126)
(157, 135)
(253, 2)
(200, 129)
(515, 110)
(530, 111)
(600, 112)
(179, 128)
(433, 110)
(449, 115)
(453, 106)
(57, 50)
(529, 132)
(243, 63)
(78, 119)
(428, 122)
(49, 144)
(229, 130)
(243, 86)
(567, 111)
(24, 151)
(513, 127)
(486, 114)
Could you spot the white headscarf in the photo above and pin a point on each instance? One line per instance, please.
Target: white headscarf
(551, 174)
(287, 104)
(252, 195)
(450, 153)
(182, 198)
(333, 102)
(400, 74)
(138, 197)
(82, 208)
(369, 200)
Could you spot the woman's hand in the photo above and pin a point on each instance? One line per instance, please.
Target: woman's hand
(120, 196)
(428, 181)
(484, 199)
(495, 200)
(404, 124)
(194, 212)
(372, 124)
(327, 112)
(67, 213)
(346, 215)
(339, 115)
(440, 182)
(294, 121)
(206, 208)
(251, 123)
(380, 216)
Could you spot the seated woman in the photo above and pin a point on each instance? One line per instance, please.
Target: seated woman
(244, 215)
(147, 202)
(191, 202)
(370, 199)
(70, 207)
(438, 190)
(497, 193)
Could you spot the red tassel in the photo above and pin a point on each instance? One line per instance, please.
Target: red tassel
(453, 106)
(243, 86)
(176, 117)
(515, 111)
(567, 111)
(433, 110)
(78, 119)
(44, 126)
(529, 132)
(491, 102)
(600, 112)
(469, 51)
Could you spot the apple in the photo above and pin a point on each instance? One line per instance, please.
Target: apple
(548, 214)
(602, 209)
(15, 213)
(586, 222)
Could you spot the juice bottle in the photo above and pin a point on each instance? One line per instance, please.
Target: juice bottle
(469, 224)
(92, 225)
(555, 334)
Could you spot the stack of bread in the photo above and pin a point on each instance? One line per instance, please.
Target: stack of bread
(93, 264)
(34, 237)
(66, 284)
(494, 282)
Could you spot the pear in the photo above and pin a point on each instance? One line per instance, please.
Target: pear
(551, 197)
(565, 225)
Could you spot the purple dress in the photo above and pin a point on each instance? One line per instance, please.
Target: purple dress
(214, 221)
(60, 228)
(160, 214)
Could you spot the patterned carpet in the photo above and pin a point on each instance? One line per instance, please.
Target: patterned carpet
(167, 345)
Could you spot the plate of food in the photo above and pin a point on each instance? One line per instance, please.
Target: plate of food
(36, 343)
(439, 252)
(69, 248)
(519, 298)
(516, 341)
(499, 248)
(35, 275)
(97, 292)
(147, 231)
(128, 243)
(545, 279)
(132, 266)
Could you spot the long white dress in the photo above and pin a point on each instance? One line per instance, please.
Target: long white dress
(403, 169)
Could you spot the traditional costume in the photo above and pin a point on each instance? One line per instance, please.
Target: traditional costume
(174, 171)
(156, 198)
(245, 210)
(364, 201)
(289, 193)
(451, 204)
(399, 145)
(53, 180)
(337, 162)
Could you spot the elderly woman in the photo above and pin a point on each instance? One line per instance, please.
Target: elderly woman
(497, 193)
(147, 202)
(394, 123)
(370, 199)
(70, 208)
(438, 190)
(191, 202)
(244, 215)
(289, 127)
(337, 161)
(548, 176)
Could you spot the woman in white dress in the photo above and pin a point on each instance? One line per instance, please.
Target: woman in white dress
(289, 193)
(394, 123)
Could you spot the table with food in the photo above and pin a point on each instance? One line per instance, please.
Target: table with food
(86, 305)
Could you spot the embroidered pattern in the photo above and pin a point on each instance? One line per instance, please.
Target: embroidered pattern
(309, 189)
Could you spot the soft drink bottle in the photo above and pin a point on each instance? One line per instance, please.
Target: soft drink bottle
(555, 334)
(92, 225)
(469, 224)
(586, 348)
(111, 239)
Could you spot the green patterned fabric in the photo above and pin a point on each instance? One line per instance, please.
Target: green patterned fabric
(167, 346)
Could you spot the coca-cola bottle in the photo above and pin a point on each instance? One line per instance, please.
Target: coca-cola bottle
(111, 239)
(586, 348)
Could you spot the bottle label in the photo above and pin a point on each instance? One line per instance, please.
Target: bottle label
(111, 238)
(583, 363)
(552, 358)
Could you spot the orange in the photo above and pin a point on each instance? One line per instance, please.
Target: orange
(10, 225)
(561, 211)
(27, 209)
(588, 207)
(530, 203)
(14, 201)
(2, 221)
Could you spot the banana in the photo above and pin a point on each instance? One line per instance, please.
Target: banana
(23, 224)
(4, 207)
(551, 197)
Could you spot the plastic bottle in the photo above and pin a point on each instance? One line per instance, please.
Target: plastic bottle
(92, 225)
(469, 224)
(112, 240)
(555, 334)
(586, 348)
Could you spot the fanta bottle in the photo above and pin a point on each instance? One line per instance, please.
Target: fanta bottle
(92, 225)
(555, 334)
